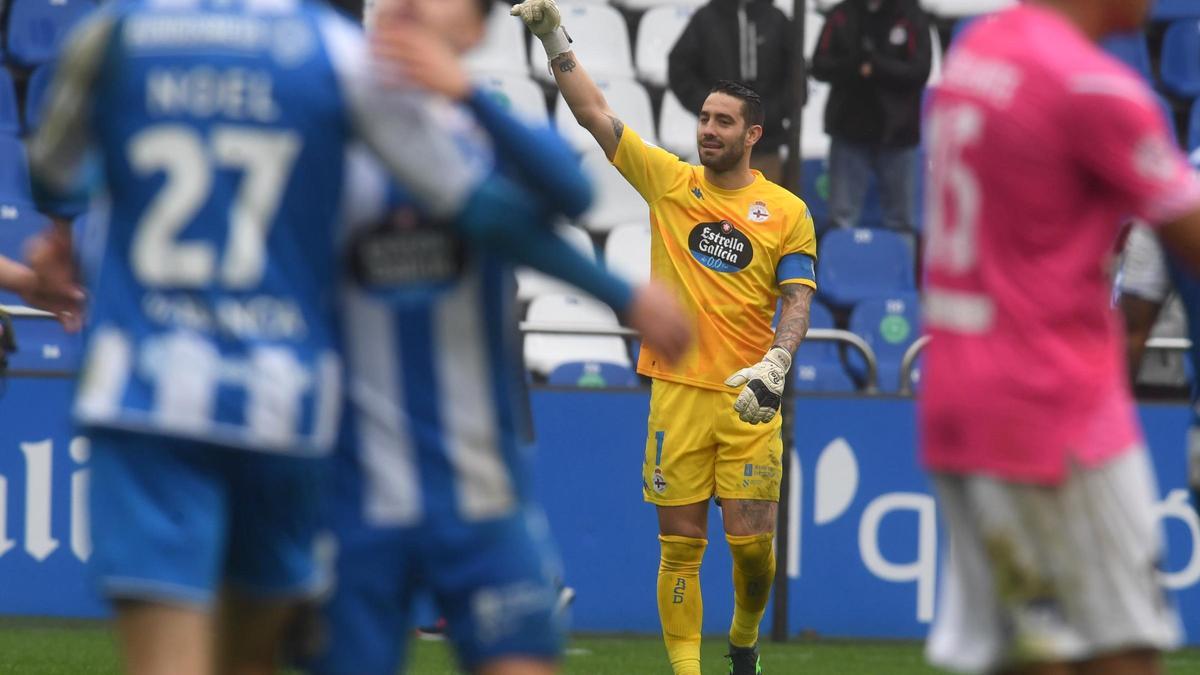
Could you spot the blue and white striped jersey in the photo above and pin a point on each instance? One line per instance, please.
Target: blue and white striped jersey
(436, 385)
(219, 130)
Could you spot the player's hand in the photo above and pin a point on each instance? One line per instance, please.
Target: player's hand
(52, 285)
(656, 314)
(542, 16)
(409, 54)
(762, 386)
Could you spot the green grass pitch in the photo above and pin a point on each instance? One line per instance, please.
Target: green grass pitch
(45, 647)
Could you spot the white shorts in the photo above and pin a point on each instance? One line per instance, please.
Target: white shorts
(1037, 574)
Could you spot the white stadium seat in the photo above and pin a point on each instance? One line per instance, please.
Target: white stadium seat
(532, 284)
(814, 142)
(544, 353)
(627, 252)
(518, 93)
(813, 24)
(657, 33)
(503, 46)
(677, 128)
(626, 97)
(616, 201)
(601, 40)
(638, 5)
(957, 8)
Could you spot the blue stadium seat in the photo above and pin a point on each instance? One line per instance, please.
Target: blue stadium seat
(1180, 64)
(817, 366)
(36, 28)
(35, 95)
(814, 190)
(1194, 133)
(890, 324)
(1169, 10)
(1131, 49)
(14, 171)
(43, 346)
(858, 264)
(9, 122)
(592, 375)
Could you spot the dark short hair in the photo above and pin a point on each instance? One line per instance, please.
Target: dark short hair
(485, 7)
(752, 109)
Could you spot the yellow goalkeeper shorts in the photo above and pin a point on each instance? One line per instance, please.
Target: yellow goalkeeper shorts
(697, 447)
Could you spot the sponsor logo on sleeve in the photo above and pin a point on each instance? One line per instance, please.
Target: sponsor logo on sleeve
(720, 247)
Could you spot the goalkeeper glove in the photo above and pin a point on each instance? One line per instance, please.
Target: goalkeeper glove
(762, 386)
(545, 22)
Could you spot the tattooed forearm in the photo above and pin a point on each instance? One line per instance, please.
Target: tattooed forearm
(793, 321)
(566, 64)
(618, 126)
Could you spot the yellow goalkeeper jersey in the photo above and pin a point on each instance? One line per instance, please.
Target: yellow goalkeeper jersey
(724, 252)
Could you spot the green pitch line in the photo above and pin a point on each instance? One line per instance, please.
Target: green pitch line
(50, 647)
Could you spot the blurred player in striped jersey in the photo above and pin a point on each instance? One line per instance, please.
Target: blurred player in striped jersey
(212, 378)
(433, 487)
(1041, 146)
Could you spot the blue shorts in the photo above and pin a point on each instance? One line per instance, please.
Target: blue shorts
(495, 583)
(175, 520)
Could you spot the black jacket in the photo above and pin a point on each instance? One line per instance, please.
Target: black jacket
(885, 108)
(712, 48)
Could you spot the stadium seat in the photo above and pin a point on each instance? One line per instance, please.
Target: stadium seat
(35, 96)
(626, 97)
(857, 264)
(1131, 49)
(592, 375)
(545, 352)
(10, 122)
(531, 283)
(1194, 134)
(43, 346)
(651, 5)
(601, 40)
(817, 366)
(659, 29)
(627, 252)
(517, 93)
(935, 63)
(503, 46)
(677, 128)
(616, 203)
(814, 190)
(14, 171)
(889, 324)
(956, 8)
(36, 28)
(814, 142)
(814, 23)
(1170, 10)
(1180, 63)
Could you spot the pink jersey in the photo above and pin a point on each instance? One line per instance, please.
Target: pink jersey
(1041, 147)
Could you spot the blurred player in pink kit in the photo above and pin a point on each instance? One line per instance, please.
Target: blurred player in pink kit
(1041, 147)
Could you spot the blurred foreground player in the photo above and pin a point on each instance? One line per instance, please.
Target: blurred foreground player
(730, 244)
(1041, 145)
(432, 492)
(212, 377)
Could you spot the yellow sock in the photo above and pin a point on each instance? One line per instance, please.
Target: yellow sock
(680, 607)
(753, 572)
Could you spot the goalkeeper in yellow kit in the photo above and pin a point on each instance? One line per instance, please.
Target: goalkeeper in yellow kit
(730, 243)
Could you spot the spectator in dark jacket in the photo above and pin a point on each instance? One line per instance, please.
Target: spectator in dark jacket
(876, 55)
(742, 40)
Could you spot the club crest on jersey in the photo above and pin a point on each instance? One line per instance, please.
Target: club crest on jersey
(720, 247)
(758, 212)
(660, 483)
